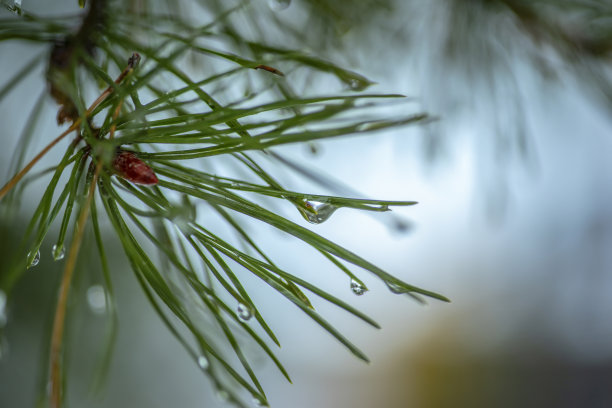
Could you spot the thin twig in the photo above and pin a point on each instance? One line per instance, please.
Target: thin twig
(12, 182)
(60, 311)
(132, 62)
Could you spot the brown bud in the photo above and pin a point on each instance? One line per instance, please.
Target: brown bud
(131, 168)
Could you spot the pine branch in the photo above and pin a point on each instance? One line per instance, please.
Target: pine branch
(133, 155)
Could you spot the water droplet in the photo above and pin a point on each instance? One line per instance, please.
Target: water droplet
(33, 260)
(358, 288)
(316, 212)
(356, 84)
(244, 312)
(222, 394)
(16, 7)
(363, 127)
(259, 403)
(203, 362)
(58, 252)
(279, 5)
(395, 288)
(2, 309)
(96, 299)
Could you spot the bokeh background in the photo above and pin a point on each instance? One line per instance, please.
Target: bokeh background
(514, 224)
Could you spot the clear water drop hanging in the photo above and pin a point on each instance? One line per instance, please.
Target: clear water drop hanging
(33, 260)
(96, 299)
(203, 362)
(395, 288)
(316, 212)
(358, 288)
(244, 312)
(279, 5)
(58, 252)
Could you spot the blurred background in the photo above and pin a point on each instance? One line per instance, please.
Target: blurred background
(514, 223)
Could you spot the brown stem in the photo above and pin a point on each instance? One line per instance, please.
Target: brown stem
(60, 311)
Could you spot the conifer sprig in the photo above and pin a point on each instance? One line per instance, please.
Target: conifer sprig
(166, 141)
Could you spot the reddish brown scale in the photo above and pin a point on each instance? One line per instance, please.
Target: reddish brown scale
(270, 69)
(131, 168)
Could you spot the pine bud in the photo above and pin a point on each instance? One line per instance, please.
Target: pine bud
(131, 168)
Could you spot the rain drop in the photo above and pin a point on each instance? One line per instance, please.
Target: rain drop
(315, 212)
(33, 260)
(259, 403)
(222, 394)
(279, 5)
(96, 299)
(356, 84)
(395, 288)
(203, 362)
(58, 252)
(244, 312)
(358, 288)
(2, 309)
(16, 7)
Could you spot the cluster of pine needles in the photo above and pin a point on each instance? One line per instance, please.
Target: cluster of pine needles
(173, 120)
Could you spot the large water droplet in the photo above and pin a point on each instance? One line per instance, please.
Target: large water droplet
(58, 252)
(244, 312)
(96, 299)
(395, 288)
(2, 309)
(203, 362)
(316, 212)
(33, 259)
(358, 288)
(279, 5)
